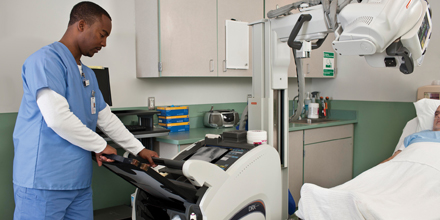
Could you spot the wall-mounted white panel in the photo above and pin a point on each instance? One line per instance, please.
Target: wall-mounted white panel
(237, 45)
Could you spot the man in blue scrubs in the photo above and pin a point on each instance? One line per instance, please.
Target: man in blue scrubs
(54, 133)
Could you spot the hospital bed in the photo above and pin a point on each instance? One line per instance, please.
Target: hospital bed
(406, 187)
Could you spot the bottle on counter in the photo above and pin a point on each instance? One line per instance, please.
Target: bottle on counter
(321, 107)
(306, 103)
(327, 106)
(315, 97)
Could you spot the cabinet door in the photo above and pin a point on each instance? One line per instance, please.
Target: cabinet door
(314, 66)
(245, 11)
(295, 163)
(147, 42)
(188, 37)
(183, 146)
(316, 135)
(328, 164)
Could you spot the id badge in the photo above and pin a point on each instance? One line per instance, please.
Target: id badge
(93, 103)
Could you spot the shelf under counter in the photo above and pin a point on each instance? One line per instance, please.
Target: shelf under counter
(191, 136)
(155, 132)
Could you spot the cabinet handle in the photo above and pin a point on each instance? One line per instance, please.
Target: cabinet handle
(224, 66)
(308, 69)
(211, 65)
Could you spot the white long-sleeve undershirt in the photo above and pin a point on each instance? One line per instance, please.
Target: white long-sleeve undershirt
(57, 115)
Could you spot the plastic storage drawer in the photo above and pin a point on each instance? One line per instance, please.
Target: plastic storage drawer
(173, 111)
(175, 127)
(173, 119)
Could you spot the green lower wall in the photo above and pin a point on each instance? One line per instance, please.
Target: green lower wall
(378, 130)
(376, 134)
(7, 122)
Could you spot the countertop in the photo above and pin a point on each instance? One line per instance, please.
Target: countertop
(298, 127)
(341, 117)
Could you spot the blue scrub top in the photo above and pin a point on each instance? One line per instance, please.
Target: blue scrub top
(42, 159)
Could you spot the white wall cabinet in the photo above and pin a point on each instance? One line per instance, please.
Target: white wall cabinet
(176, 38)
(187, 38)
(147, 38)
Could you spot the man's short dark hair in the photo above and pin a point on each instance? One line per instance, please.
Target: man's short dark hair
(88, 11)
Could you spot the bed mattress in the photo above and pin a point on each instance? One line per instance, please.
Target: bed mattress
(406, 187)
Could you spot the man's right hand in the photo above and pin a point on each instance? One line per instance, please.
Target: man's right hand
(108, 150)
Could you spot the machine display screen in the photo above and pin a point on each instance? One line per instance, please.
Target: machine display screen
(228, 159)
(208, 154)
(223, 157)
(423, 31)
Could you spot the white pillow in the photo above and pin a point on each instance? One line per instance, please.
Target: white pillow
(410, 128)
(425, 109)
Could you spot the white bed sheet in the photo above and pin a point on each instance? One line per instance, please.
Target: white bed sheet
(406, 187)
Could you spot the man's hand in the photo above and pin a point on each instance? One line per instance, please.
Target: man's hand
(147, 154)
(108, 150)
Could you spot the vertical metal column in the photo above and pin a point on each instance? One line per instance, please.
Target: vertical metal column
(268, 107)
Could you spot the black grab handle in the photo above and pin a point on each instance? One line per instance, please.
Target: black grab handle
(291, 42)
(174, 164)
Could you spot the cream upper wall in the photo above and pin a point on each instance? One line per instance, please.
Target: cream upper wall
(356, 80)
(33, 24)
(29, 25)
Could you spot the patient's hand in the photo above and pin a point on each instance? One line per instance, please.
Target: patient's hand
(395, 154)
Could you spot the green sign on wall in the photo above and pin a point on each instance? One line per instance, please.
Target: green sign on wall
(329, 64)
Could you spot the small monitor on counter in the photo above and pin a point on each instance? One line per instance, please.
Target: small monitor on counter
(103, 77)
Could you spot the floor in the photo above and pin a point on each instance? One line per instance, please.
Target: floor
(124, 213)
(113, 213)
(293, 217)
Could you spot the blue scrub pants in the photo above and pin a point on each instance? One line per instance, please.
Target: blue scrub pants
(52, 204)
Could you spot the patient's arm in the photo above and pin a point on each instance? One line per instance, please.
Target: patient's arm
(395, 154)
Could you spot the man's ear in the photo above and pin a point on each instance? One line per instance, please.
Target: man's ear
(81, 25)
